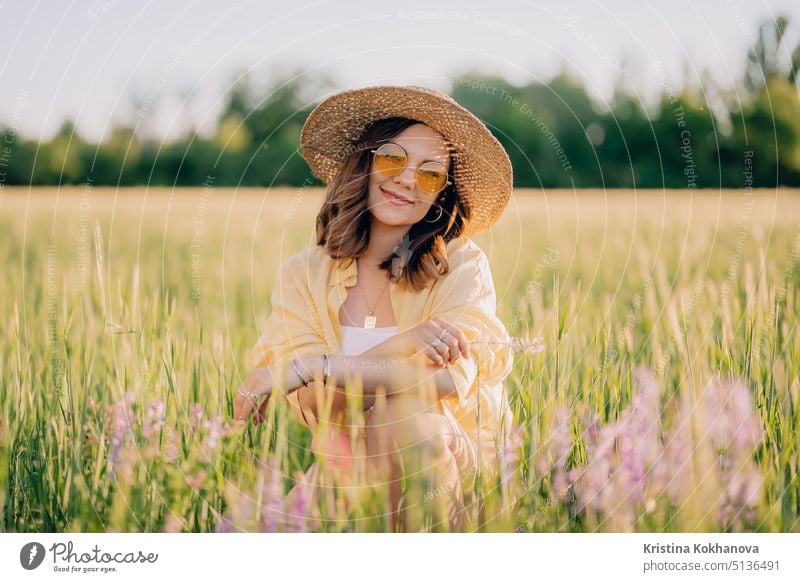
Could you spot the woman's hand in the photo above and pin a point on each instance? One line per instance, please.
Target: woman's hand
(436, 339)
(257, 386)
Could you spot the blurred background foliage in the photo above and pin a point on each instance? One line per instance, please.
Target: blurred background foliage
(555, 133)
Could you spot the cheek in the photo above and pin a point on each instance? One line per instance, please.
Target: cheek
(373, 180)
(373, 187)
(374, 193)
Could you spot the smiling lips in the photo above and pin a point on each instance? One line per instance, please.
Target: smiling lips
(395, 199)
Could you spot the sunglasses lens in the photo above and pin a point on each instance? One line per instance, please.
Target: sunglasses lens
(390, 159)
(431, 178)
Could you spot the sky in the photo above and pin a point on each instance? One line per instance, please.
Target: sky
(167, 66)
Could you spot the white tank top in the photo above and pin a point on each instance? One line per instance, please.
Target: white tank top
(356, 340)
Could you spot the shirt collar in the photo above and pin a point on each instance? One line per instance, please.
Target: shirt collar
(344, 274)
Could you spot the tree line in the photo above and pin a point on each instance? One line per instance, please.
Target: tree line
(554, 132)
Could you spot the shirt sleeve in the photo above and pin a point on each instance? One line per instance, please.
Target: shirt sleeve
(290, 329)
(466, 297)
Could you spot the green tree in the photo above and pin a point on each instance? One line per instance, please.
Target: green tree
(771, 56)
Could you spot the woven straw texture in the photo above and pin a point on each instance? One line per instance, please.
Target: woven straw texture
(482, 170)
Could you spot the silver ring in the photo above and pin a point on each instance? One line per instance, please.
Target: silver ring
(436, 342)
(444, 332)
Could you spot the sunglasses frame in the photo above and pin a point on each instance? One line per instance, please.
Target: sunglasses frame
(416, 170)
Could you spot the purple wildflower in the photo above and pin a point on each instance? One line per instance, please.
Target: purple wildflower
(241, 511)
(734, 431)
(518, 344)
(122, 421)
(672, 473)
(526, 345)
(299, 508)
(170, 448)
(214, 432)
(509, 462)
(621, 455)
(154, 418)
(271, 497)
(733, 423)
(173, 524)
(559, 449)
(196, 415)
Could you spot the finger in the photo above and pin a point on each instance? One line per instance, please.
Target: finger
(461, 337)
(238, 407)
(452, 344)
(243, 405)
(439, 347)
(434, 356)
(448, 344)
(261, 414)
(432, 330)
(463, 343)
(444, 350)
(435, 331)
(242, 412)
(454, 331)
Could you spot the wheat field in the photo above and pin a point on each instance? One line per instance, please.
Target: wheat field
(665, 399)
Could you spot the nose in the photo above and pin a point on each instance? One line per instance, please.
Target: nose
(406, 178)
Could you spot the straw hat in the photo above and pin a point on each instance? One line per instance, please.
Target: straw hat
(482, 170)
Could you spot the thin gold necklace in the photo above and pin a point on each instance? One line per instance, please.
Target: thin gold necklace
(370, 320)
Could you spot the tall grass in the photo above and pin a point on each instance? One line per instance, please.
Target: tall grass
(666, 398)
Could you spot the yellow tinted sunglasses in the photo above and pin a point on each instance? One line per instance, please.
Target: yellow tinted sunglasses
(391, 159)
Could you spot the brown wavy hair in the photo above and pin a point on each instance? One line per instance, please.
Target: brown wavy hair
(343, 222)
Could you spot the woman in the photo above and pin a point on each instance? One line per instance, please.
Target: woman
(394, 303)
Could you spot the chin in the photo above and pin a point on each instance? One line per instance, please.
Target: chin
(388, 219)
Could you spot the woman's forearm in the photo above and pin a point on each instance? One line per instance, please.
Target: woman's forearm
(382, 373)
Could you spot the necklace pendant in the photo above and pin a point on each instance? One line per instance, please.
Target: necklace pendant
(369, 321)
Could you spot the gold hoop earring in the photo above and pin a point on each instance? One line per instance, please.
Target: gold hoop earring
(438, 218)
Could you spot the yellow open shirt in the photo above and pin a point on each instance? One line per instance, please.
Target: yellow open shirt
(311, 287)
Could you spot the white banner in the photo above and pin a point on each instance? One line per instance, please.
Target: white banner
(388, 557)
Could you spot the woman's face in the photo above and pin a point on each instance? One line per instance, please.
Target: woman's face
(422, 144)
